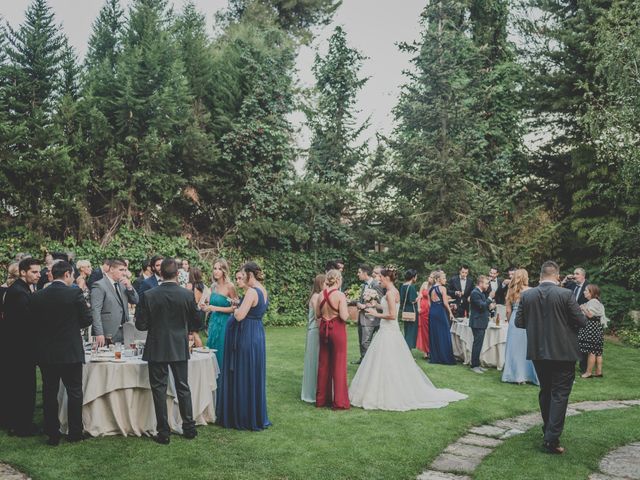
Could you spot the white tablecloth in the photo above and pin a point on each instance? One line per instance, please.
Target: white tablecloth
(117, 397)
(493, 347)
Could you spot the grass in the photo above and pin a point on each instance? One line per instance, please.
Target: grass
(310, 443)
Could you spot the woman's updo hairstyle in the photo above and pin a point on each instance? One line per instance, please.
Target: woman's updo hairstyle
(253, 269)
(390, 272)
(332, 278)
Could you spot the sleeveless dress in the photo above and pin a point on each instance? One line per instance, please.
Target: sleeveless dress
(218, 325)
(408, 293)
(390, 379)
(422, 343)
(310, 372)
(517, 368)
(242, 400)
(441, 349)
(332, 390)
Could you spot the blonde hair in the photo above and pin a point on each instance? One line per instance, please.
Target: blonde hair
(13, 273)
(437, 276)
(332, 277)
(224, 266)
(517, 285)
(318, 283)
(83, 263)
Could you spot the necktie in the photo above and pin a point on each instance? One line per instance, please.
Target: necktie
(577, 291)
(116, 285)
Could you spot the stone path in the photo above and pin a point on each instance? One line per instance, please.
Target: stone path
(461, 458)
(621, 464)
(9, 473)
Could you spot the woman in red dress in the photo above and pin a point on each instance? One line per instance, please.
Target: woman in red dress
(331, 309)
(424, 304)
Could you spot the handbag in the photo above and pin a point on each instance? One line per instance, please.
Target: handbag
(407, 316)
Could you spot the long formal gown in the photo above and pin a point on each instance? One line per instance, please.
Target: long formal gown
(408, 295)
(517, 369)
(422, 342)
(441, 349)
(390, 379)
(242, 400)
(218, 326)
(310, 372)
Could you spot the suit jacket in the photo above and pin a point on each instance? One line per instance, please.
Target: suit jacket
(58, 313)
(148, 284)
(168, 313)
(552, 317)
(364, 319)
(109, 312)
(16, 319)
(479, 314)
(454, 286)
(501, 292)
(581, 298)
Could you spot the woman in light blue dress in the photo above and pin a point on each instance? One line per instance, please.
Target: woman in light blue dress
(310, 372)
(517, 369)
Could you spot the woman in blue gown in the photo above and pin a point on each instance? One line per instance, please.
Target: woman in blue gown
(439, 329)
(220, 306)
(242, 402)
(517, 369)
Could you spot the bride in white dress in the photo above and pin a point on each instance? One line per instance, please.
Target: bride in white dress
(388, 377)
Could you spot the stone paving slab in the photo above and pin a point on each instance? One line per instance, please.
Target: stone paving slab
(447, 462)
(623, 462)
(480, 441)
(488, 431)
(602, 476)
(434, 475)
(595, 406)
(511, 433)
(9, 473)
(631, 403)
(466, 450)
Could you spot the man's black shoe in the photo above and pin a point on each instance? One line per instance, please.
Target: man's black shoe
(190, 434)
(76, 438)
(53, 441)
(161, 439)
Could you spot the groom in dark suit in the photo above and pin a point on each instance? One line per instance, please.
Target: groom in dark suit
(552, 317)
(459, 288)
(481, 303)
(169, 312)
(367, 324)
(58, 313)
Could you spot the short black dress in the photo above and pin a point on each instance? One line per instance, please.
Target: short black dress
(591, 337)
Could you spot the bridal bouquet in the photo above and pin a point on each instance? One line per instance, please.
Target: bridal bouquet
(370, 296)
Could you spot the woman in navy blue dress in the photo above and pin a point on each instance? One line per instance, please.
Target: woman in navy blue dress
(243, 396)
(439, 315)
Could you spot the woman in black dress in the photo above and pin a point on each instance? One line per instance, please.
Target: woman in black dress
(591, 337)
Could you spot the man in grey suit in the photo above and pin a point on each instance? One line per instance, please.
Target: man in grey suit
(169, 312)
(367, 324)
(110, 299)
(552, 317)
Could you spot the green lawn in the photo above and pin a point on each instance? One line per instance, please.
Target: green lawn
(308, 443)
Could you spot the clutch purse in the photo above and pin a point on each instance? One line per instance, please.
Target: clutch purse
(407, 316)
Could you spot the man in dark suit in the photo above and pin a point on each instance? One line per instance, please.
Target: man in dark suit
(58, 313)
(459, 288)
(154, 280)
(367, 324)
(497, 285)
(169, 313)
(479, 319)
(577, 283)
(552, 317)
(145, 272)
(20, 391)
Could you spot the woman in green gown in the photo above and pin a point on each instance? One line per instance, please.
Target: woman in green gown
(221, 307)
(310, 372)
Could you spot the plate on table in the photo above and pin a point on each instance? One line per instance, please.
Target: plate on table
(118, 360)
(204, 350)
(100, 359)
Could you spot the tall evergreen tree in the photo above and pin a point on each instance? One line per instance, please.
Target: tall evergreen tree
(334, 151)
(45, 186)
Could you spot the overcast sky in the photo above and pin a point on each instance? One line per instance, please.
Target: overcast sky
(373, 27)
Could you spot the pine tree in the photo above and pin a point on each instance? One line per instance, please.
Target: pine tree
(334, 152)
(45, 186)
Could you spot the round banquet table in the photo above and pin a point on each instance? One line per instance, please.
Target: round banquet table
(117, 397)
(493, 347)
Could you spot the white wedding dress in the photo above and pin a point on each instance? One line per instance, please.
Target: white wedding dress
(390, 379)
